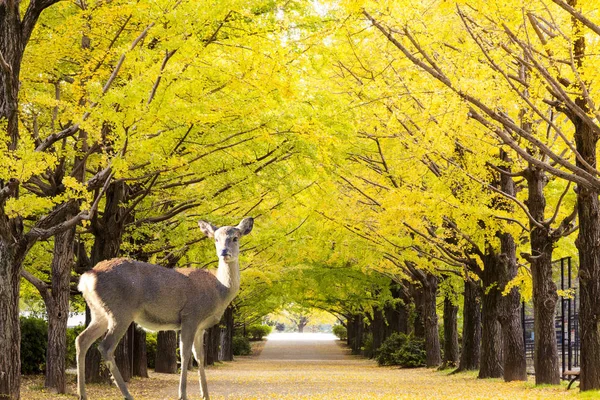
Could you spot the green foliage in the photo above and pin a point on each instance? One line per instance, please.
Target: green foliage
(403, 350)
(241, 346)
(34, 341)
(257, 332)
(340, 331)
(151, 346)
(72, 334)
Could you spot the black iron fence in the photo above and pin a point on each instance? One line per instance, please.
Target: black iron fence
(567, 318)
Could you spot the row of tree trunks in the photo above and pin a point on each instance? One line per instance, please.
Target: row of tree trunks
(356, 329)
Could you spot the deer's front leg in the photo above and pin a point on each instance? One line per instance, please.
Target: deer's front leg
(185, 347)
(199, 355)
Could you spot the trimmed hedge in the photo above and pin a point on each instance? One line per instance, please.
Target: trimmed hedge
(403, 350)
(241, 346)
(257, 332)
(340, 331)
(34, 341)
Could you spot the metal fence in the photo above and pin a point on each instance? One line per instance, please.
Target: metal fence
(567, 318)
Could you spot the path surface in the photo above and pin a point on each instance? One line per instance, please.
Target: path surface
(293, 366)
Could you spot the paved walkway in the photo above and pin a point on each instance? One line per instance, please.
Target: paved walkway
(293, 366)
(305, 347)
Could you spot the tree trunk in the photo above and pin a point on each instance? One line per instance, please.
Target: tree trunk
(302, 322)
(216, 341)
(10, 329)
(140, 356)
(588, 239)
(12, 47)
(492, 357)
(471, 340)
(587, 243)
(450, 334)
(227, 335)
(58, 310)
(211, 348)
(166, 352)
(397, 314)
(377, 329)
(357, 328)
(545, 355)
(432, 338)
(208, 343)
(418, 319)
(515, 364)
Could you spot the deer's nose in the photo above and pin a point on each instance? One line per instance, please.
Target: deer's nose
(224, 253)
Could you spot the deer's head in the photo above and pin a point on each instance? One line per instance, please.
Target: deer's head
(227, 238)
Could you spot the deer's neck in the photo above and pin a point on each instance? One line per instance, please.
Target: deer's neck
(229, 276)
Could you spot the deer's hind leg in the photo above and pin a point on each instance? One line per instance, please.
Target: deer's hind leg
(116, 330)
(95, 329)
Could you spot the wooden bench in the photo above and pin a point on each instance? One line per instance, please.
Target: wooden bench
(574, 374)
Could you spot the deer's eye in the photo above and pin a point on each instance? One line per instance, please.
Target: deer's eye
(235, 239)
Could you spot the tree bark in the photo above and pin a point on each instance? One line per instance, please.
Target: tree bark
(545, 355)
(471, 343)
(140, 356)
(227, 335)
(515, 364)
(432, 338)
(588, 239)
(58, 310)
(10, 329)
(418, 318)
(15, 33)
(450, 334)
(166, 352)
(357, 328)
(377, 329)
(492, 357)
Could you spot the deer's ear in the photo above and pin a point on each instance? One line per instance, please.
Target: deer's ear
(246, 225)
(207, 228)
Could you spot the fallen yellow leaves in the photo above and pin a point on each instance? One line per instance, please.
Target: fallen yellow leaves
(354, 378)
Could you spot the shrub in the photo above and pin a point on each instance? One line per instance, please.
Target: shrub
(403, 350)
(72, 334)
(34, 341)
(257, 332)
(241, 346)
(340, 331)
(367, 347)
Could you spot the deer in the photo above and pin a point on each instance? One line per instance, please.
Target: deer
(121, 291)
